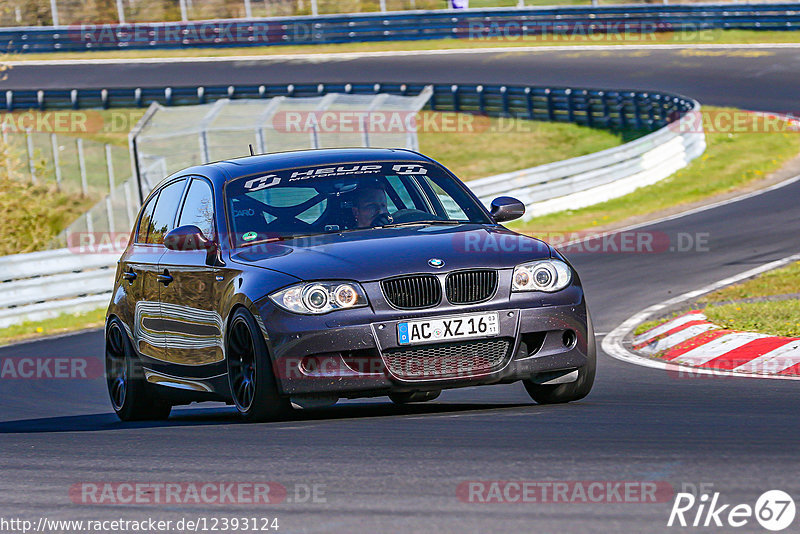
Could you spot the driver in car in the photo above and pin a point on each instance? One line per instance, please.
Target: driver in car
(371, 207)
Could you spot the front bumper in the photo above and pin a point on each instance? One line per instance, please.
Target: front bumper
(345, 353)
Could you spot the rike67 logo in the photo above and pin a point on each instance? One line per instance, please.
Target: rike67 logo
(774, 510)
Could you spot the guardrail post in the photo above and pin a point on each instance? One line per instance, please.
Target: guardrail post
(9, 100)
(201, 95)
(31, 164)
(248, 10)
(587, 104)
(184, 13)
(570, 106)
(73, 97)
(551, 112)
(529, 102)
(40, 99)
(605, 108)
(637, 110)
(504, 100)
(137, 96)
(82, 165)
(621, 111)
(168, 96)
(481, 101)
(104, 98)
(314, 8)
(456, 102)
(56, 160)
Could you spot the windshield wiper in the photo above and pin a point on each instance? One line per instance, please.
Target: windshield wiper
(423, 223)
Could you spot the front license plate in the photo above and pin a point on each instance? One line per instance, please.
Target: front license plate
(433, 330)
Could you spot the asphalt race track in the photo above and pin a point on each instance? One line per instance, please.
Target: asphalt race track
(396, 469)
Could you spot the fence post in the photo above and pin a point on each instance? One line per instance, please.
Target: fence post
(56, 161)
(82, 165)
(31, 165)
(110, 167)
(54, 12)
(383, 6)
(184, 14)
(120, 12)
(314, 8)
(129, 204)
(110, 216)
(248, 10)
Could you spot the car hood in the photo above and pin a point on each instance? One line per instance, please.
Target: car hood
(380, 253)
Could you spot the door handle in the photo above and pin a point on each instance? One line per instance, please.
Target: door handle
(165, 278)
(130, 276)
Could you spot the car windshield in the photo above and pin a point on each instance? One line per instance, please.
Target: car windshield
(358, 196)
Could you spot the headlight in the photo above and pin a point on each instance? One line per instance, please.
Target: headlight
(320, 297)
(545, 275)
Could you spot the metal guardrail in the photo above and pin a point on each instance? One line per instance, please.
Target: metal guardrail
(44, 284)
(415, 25)
(586, 180)
(40, 285)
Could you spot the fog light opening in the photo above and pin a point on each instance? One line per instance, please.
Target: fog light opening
(569, 338)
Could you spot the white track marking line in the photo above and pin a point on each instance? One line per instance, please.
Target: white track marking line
(338, 56)
(773, 361)
(612, 343)
(666, 327)
(677, 338)
(716, 348)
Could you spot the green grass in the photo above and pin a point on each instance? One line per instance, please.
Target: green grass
(62, 324)
(782, 281)
(516, 144)
(778, 318)
(644, 327)
(730, 162)
(686, 38)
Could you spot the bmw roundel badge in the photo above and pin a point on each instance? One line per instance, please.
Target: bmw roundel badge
(436, 263)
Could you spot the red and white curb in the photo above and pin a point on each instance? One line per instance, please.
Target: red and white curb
(691, 344)
(692, 340)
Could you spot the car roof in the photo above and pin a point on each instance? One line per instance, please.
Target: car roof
(223, 171)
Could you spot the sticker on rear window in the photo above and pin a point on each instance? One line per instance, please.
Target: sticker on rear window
(249, 236)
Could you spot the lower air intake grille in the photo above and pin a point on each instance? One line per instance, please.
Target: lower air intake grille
(470, 287)
(413, 292)
(447, 360)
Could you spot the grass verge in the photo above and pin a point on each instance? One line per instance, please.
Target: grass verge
(725, 307)
(62, 324)
(777, 318)
(675, 38)
(783, 281)
(516, 144)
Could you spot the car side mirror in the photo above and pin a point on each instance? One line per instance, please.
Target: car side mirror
(187, 237)
(507, 209)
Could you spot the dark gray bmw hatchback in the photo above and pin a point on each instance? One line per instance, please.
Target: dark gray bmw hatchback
(299, 278)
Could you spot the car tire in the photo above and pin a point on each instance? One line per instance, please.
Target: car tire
(132, 398)
(572, 391)
(254, 390)
(414, 396)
